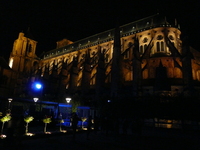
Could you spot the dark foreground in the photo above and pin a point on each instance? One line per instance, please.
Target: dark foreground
(151, 139)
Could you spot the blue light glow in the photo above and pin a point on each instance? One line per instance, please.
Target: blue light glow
(37, 86)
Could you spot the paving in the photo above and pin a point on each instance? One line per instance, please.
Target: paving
(151, 138)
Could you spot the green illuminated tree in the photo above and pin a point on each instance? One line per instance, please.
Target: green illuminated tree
(76, 101)
(46, 121)
(28, 119)
(83, 120)
(4, 119)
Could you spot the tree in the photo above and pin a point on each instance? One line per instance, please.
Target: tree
(46, 121)
(83, 120)
(76, 101)
(4, 119)
(28, 119)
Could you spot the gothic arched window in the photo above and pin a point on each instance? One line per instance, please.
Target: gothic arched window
(145, 47)
(162, 46)
(106, 58)
(141, 49)
(158, 46)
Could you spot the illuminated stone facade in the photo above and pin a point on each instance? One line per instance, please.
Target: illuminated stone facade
(8, 78)
(22, 57)
(153, 59)
(22, 62)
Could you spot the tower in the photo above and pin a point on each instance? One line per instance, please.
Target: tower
(22, 57)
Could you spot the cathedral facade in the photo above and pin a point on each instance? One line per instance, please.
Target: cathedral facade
(143, 58)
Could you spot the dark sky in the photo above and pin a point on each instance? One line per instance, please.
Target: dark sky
(53, 20)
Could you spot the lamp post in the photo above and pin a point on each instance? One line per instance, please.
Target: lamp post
(37, 88)
(68, 99)
(35, 99)
(9, 102)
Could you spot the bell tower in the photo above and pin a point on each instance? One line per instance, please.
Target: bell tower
(23, 55)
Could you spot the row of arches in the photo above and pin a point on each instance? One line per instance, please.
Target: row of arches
(150, 73)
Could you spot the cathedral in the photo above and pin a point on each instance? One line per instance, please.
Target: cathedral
(144, 58)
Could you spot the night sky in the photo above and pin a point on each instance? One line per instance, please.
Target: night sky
(53, 20)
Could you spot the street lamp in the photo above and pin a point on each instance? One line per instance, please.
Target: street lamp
(35, 99)
(9, 102)
(68, 99)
